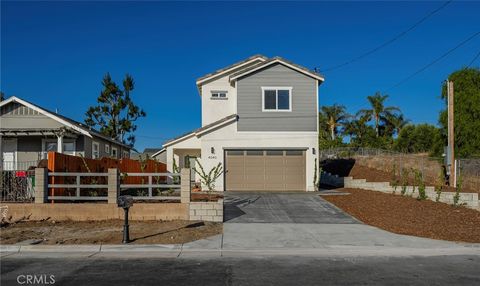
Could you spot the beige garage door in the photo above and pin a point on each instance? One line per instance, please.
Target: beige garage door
(265, 170)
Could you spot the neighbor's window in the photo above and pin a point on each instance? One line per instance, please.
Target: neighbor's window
(107, 149)
(95, 150)
(277, 99)
(114, 152)
(219, 94)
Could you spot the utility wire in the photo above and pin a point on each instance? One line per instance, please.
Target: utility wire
(474, 59)
(387, 42)
(434, 61)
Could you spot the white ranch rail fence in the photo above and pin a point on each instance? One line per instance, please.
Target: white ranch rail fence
(78, 186)
(150, 186)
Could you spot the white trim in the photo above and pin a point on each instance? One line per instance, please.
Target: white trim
(199, 133)
(277, 88)
(46, 113)
(315, 76)
(93, 149)
(179, 139)
(216, 126)
(159, 152)
(228, 70)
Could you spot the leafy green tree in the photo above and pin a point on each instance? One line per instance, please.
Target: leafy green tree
(379, 112)
(466, 83)
(335, 116)
(417, 139)
(115, 112)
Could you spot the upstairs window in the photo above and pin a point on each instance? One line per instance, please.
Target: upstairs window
(219, 94)
(276, 99)
(114, 152)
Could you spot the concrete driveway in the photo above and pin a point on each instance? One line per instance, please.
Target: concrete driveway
(281, 208)
(302, 221)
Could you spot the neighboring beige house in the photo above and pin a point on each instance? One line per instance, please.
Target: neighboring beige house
(28, 132)
(157, 154)
(260, 121)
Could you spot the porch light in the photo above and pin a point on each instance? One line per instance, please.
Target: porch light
(212, 150)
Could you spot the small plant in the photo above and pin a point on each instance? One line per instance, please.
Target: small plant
(176, 169)
(456, 197)
(394, 178)
(208, 179)
(320, 171)
(415, 182)
(405, 174)
(422, 195)
(439, 185)
(141, 193)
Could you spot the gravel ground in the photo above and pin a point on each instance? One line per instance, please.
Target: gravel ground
(405, 215)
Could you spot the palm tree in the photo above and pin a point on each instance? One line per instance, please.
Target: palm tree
(335, 116)
(396, 122)
(378, 112)
(356, 126)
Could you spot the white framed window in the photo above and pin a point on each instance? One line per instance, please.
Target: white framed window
(126, 154)
(95, 150)
(219, 94)
(107, 149)
(48, 145)
(276, 98)
(114, 152)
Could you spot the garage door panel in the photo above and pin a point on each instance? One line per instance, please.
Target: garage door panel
(266, 170)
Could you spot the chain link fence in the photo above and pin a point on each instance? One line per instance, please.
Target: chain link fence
(17, 186)
(395, 163)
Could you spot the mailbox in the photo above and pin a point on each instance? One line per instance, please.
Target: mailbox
(125, 201)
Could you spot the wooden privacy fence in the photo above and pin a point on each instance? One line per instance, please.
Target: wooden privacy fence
(63, 163)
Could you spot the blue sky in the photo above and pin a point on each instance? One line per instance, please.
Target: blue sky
(56, 53)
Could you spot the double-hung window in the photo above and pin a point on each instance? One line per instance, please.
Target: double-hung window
(276, 99)
(95, 150)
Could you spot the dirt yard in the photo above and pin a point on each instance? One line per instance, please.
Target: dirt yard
(405, 215)
(108, 232)
(348, 167)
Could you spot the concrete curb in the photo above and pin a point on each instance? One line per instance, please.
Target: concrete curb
(177, 250)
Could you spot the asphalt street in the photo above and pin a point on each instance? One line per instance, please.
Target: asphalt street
(290, 270)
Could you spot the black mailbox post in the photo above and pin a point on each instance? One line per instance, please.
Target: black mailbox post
(125, 202)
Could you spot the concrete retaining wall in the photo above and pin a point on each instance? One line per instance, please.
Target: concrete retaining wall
(207, 211)
(470, 200)
(90, 211)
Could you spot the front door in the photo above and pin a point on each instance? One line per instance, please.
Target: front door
(9, 148)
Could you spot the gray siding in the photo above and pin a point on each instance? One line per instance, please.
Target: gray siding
(17, 116)
(303, 116)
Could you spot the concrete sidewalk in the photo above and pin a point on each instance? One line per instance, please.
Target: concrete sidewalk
(297, 239)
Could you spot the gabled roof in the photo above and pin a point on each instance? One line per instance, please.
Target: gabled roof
(276, 60)
(75, 125)
(202, 130)
(251, 60)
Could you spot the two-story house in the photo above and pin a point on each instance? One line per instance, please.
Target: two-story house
(28, 132)
(260, 120)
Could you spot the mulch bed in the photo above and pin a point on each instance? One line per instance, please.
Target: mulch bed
(405, 215)
(108, 232)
